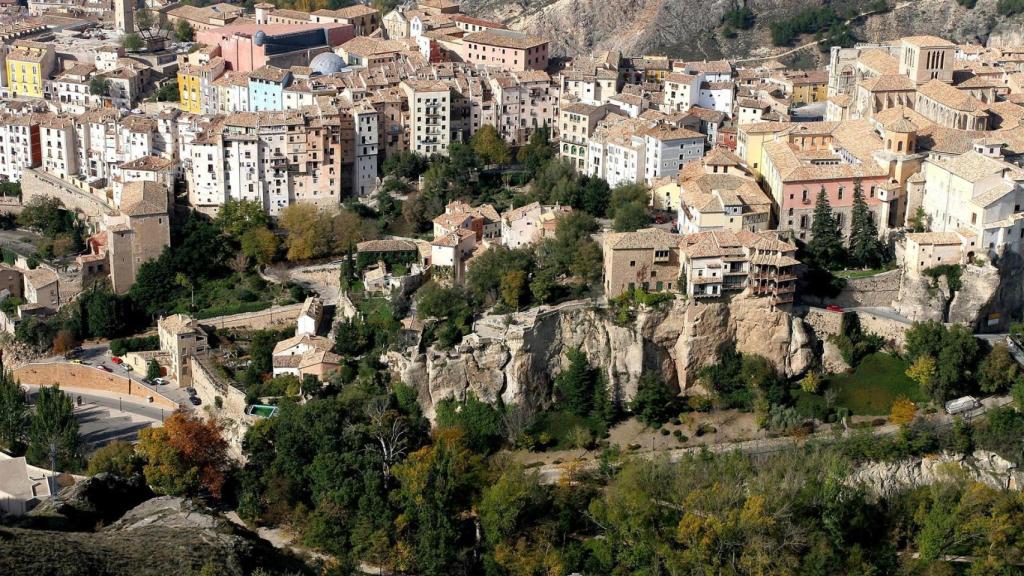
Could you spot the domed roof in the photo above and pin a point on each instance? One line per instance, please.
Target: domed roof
(259, 38)
(327, 63)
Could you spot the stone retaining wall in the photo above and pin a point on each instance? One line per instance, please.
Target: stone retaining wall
(275, 316)
(826, 323)
(879, 290)
(34, 183)
(76, 377)
(231, 414)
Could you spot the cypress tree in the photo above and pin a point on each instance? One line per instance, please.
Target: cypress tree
(865, 247)
(826, 245)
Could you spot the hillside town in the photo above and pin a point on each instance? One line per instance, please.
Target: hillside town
(390, 288)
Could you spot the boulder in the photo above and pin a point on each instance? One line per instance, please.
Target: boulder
(98, 499)
(832, 360)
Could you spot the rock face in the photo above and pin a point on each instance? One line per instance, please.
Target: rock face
(921, 298)
(884, 479)
(832, 360)
(692, 28)
(987, 298)
(516, 359)
(159, 537)
(98, 499)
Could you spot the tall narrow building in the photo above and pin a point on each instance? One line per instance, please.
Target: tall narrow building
(124, 16)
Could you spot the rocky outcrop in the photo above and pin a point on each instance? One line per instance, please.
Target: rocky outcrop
(985, 299)
(515, 358)
(832, 361)
(978, 284)
(96, 500)
(159, 537)
(885, 479)
(921, 298)
(692, 28)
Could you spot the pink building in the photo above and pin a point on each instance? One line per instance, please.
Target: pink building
(247, 47)
(506, 49)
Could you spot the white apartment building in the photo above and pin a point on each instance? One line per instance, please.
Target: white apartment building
(60, 154)
(977, 196)
(430, 104)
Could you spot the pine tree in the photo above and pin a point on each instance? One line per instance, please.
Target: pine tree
(575, 384)
(826, 245)
(13, 411)
(865, 247)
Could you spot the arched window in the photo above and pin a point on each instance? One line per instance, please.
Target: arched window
(899, 146)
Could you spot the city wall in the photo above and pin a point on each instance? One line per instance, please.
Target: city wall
(79, 378)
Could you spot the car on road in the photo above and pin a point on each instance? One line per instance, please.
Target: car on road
(195, 400)
(191, 391)
(159, 381)
(834, 308)
(76, 361)
(116, 360)
(104, 368)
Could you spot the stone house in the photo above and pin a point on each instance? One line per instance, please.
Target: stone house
(647, 258)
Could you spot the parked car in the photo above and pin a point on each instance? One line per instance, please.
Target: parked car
(834, 308)
(195, 400)
(159, 381)
(191, 391)
(104, 368)
(76, 361)
(116, 360)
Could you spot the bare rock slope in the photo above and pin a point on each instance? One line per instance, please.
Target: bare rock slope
(692, 28)
(516, 358)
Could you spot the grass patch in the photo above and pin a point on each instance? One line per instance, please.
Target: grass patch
(556, 427)
(878, 380)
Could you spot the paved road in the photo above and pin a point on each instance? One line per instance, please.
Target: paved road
(96, 354)
(119, 403)
(553, 473)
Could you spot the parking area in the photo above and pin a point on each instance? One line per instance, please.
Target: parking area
(99, 356)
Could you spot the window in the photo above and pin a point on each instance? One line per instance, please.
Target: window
(632, 263)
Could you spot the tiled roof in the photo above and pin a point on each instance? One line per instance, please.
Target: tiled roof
(505, 39)
(889, 83)
(951, 97)
(935, 238)
(880, 61)
(645, 238)
(927, 41)
(142, 198)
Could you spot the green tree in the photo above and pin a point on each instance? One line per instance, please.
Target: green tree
(490, 146)
(184, 32)
(955, 351)
(630, 218)
(999, 371)
(537, 152)
(53, 432)
(116, 458)
(13, 411)
(261, 245)
(919, 222)
(236, 217)
(574, 386)
(625, 195)
(133, 42)
(153, 370)
(826, 244)
(479, 422)
(99, 86)
(653, 402)
(513, 288)
(865, 247)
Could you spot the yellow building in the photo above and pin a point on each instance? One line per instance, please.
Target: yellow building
(190, 88)
(29, 65)
(750, 139)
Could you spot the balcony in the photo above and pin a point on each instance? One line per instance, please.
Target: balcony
(782, 299)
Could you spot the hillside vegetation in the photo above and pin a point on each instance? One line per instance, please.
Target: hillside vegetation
(738, 29)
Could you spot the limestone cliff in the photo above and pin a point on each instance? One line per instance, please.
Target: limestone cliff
(516, 358)
(985, 298)
(887, 478)
(692, 28)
